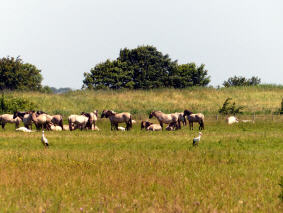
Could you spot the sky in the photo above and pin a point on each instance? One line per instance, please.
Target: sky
(65, 38)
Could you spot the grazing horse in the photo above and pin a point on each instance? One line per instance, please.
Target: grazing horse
(26, 118)
(166, 118)
(8, 118)
(57, 120)
(78, 121)
(198, 117)
(116, 118)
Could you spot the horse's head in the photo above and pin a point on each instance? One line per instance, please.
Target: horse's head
(15, 115)
(106, 113)
(19, 114)
(151, 114)
(145, 124)
(142, 124)
(187, 112)
(86, 114)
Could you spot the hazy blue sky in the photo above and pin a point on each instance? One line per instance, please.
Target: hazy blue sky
(65, 38)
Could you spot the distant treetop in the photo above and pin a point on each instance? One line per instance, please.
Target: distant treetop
(241, 81)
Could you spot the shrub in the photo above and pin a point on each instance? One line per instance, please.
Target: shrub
(229, 108)
(10, 104)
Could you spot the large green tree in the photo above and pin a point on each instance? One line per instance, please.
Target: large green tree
(16, 75)
(144, 68)
(188, 75)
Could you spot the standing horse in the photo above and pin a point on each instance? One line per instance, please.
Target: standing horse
(198, 117)
(166, 118)
(92, 118)
(78, 121)
(116, 118)
(26, 118)
(8, 118)
(182, 118)
(41, 121)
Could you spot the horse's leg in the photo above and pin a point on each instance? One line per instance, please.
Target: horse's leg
(161, 124)
(3, 125)
(178, 124)
(201, 125)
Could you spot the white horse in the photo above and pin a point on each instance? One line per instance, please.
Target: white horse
(78, 121)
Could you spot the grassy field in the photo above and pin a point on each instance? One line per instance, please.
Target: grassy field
(234, 169)
(259, 100)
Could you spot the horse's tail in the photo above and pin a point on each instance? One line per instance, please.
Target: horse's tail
(0, 119)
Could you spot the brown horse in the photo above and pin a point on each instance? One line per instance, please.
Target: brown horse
(26, 118)
(181, 118)
(41, 121)
(198, 117)
(8, 118)
(57, 120)
(166, 118)
(116, 118)
(92, 118)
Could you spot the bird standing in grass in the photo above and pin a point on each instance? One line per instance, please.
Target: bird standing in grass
(197, 139)
(44, 140)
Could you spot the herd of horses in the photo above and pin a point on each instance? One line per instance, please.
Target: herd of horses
(88, 120)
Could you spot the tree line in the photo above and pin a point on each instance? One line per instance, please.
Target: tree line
(143, 67)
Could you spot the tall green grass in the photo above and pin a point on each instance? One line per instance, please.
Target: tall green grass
(260, 100)
(234, 169)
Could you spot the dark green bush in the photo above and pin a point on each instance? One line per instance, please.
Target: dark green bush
(229, 108)
(10, 104)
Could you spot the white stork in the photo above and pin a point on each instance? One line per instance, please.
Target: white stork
(197, 139)
(44, 140)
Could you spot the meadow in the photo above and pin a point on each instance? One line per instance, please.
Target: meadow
(259, 100)
(235, 168)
